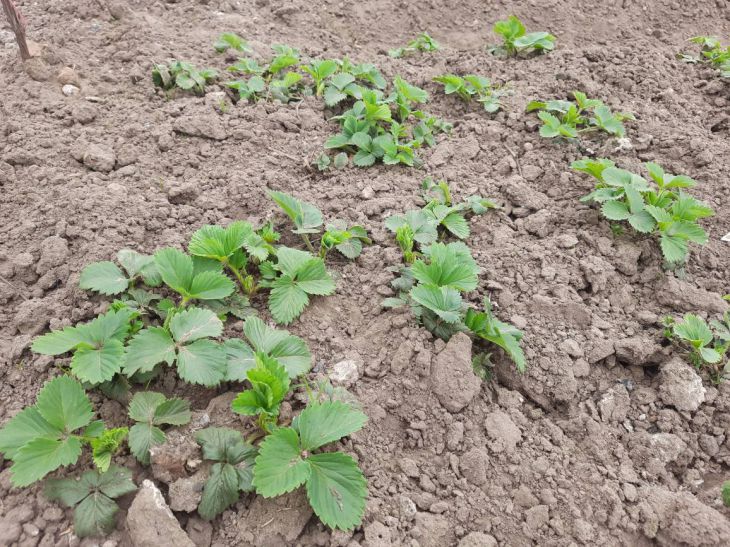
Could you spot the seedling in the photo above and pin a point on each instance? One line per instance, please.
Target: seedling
(666, 211)
(517, 40)
(182, 75)
(347, 240)
(231, 40)
(335, 485)
(268, 81)
(151, 410)
(106, 445)
(92, 496)
(270, 383)
(487, 327)
(50, 434)
(708, 344)
(231, 473)
(714, 53)
(448, 216)
(422, 43)
(320, 71)
(568, 119)
(726, 493)
(108, 279)
(472, 86)
(289, 350)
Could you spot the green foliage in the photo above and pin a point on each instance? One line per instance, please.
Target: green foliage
(473, 86)
(569, 119)
(108, 279)
(666, 210)
(487, 327)
(270, 383)
(708, 343)
(422, 43)
(348, 240)
(714, 53)
(516, 40)
(106, 445)
(231, 40)
(192, 279)
(320, 70)
(271, 81)
(726, 493)
(151, 410)
(182, 75)
(336, 488)
(97, 346)
(92, 496)
(42, 437)
(231, 473)
(186, 343)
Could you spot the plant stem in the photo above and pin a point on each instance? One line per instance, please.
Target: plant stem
(305, 237)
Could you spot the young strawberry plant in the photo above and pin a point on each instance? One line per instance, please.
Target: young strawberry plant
(92, 496)
(422, 43)
(486, 326)
(271, 81)
(714, 53)
(150, 410)
(270, 383)
(708, 344)
(516, 40)
(666, 210)
(569, 120)
(231, 40)
(232, 472)
(50, 434)
(320, 71)
(182, 75)
(290, 457)
(473, 86)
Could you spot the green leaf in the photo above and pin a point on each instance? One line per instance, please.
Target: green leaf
(98, 365)
(305, 216)
(674, 248)
(693, 329)
(710, 355)
(142, 437)
(424, 228)
(220, 491)
(37, 458)
(456, 224)
(176, 269)
(642, 222)
(104, 446)
(443, 301)
(286, 301)
(312, 278)
(321, 424)
(449, 266)
(217, 242)
(172, 412)
(95, 516)
(239, 359)
(25, 426)
(144, 404)
(68, 492)
(202, 362)
(211, 285)
(148, 348)
(279, 466)
(615, 210)
(289, 350)
(64, 405)
(224, 445)
(336, 489)
(58, 341)
(138, 264)
(103, 277)
(195, 323)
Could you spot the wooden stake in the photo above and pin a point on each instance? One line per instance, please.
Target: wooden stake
(17, 24)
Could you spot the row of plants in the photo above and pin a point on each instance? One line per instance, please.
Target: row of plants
(170, 309)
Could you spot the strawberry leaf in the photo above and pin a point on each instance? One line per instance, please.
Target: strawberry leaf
(336, 488)
(321, 424)
(279, 466)
(103, 277)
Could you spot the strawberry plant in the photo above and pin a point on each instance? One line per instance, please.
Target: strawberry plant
(231, 40)
(422, 43)
(108, 279)
(289, 457)
(182, 75)
(106, 445)
(516, 40)
(151, 410)
(714, 53)
(92, 496)
(320, 71)
(269, 81)
(270, 383)
(665, 210)
(50, 434)
(708, 344)
(231, 473)
(568, 120)
(725, 492)
(473, 86)
(487, 327)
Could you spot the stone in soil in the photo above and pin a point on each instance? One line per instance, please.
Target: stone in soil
(151, 523)
(452, 377)
(680, 386)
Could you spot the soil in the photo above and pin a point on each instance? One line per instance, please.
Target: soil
(598, 443)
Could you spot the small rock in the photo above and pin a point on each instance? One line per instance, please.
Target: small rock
(9, 531)
(614, 404)
(68, 76)
(502, 431)
(151, 523)
(292, 513)
(680, 386)
(185, 493)
(54, 252)
(685, 297)
(32, 316)
(637, 350)
(168, 460)
(38, 69)
(70, 90)
(540, 224)
(478, 539)
(452, 377)
(208, 126)
(83, 112)
(345, 373)
(436, 530)
(407, 508)
(409, 467)
(185, 192)
(199, 531)
(474, 465)
(99, 157)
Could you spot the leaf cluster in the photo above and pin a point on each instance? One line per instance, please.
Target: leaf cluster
(473, 86)
(273, 80)
(151, 410)
(421, 43)
(516, 39)
(568, 119)
(665, 210)
(707, 343)
(231, 41)
(715, 53)
(182, 75)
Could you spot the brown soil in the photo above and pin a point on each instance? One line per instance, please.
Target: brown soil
(586, 448)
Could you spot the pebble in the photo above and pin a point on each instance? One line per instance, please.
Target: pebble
(70, 90)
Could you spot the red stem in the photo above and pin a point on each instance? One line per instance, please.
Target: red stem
(17, 24)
